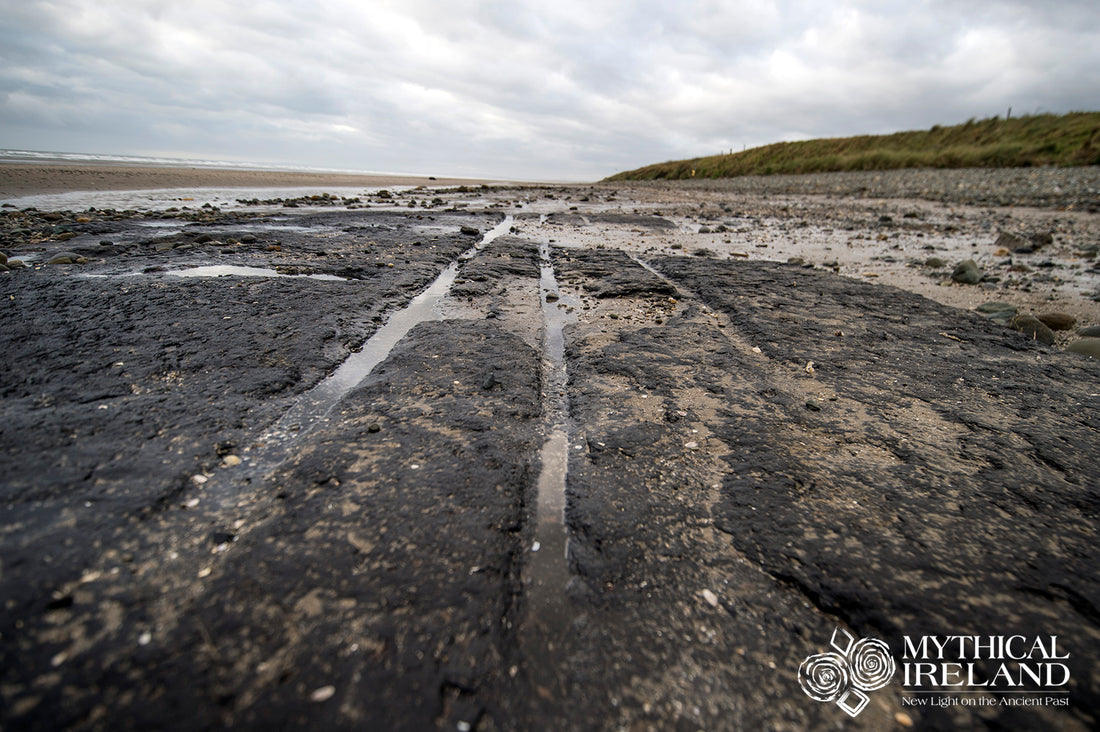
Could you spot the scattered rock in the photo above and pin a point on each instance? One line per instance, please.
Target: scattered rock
(551, 297)
(322, 694)
(935, 263)
(1001, 313)
(65, 236)
(66, 258)
(1033, 327)
(248, 239)
(711, 598)
(1058, 321)
(967, 273)
(996, 307)
(796, 261)
(374, 427)
(231, 461)
(203, 238)
(812, 405)
(3, 258)
(1093, 331)
(1010, 241)
(1085, 347)
(1041, 240)
(469, 231)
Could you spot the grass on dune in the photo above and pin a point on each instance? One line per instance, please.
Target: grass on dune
(1034, 140)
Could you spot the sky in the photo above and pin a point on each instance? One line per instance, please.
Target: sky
(553, 90)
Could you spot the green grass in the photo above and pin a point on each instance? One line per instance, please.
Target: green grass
(1041, 139)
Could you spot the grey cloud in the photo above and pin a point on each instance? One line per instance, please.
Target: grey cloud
(571, 89)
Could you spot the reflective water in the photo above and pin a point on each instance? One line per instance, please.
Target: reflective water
(234, 270)
(313, 407)
(545, 631)
(193, 198)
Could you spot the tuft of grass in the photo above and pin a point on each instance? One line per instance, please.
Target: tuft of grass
(1033, 140)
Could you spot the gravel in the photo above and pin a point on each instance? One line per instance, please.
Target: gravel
(1069, 188)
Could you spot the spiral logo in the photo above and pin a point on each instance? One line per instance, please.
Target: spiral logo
(841, 676)
(824, 676)
(871, 665)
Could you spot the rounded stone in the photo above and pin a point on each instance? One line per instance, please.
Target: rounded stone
(1093, 331)
(967, 273)
(1058, 321)
(996, 307)
(66, 258)
(1085, 347)
(1032, 326)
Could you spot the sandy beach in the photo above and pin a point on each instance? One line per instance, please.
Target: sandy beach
(27, 179)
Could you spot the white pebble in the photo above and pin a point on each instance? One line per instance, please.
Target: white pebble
(711, 598)
(322, 694)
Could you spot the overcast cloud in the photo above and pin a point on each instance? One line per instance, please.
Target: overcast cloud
(528, 89)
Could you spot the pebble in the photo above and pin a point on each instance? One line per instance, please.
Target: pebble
(323, 693)
(1085, 347)
(1093, 331)
(66, 258)
(1058, 321)
(935, 263)
(1033, 327)
(3, 258)
(711, 598)
(996, 307)
(231, 460)
(469, 231)
(1010, 241)
(967, 273)
(903, 719)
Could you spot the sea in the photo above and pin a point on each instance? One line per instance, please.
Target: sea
(161, 199)
(33, 156)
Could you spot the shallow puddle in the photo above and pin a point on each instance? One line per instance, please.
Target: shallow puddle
(313, 407)
(234, 270)
(549, 614)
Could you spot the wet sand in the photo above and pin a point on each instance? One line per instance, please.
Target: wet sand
(26, 179)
